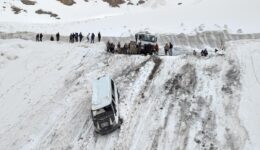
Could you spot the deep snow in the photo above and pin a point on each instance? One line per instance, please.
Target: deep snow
(178, 102)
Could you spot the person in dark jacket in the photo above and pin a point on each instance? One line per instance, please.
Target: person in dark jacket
(136, 38)
(72, 38)
(92, 38)
(108, 46)
(99, 37)
(52, 38)
(156, 49)
(41, 36)
(58, 36)
(166, 48)
(88, 36)
(125, 48)
(37, 38)
(118, 47)
(80, 36)
(112, 48)
(204, 52)
(76, 37)
(170, 48)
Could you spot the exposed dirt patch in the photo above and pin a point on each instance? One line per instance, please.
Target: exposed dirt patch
(180, 90)
(67, 2)
(232, 80)
(40, 12)
(17, 10)
(233, 76)
(130, 3)
(157, 62)
(140, 2)
(184, 82)
(134, 70)
(206, 137)
(114, 3)
(236, 134)
(28, 2)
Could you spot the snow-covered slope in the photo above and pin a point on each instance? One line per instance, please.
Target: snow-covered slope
(178, 102)
(159, 16)
(248, 54)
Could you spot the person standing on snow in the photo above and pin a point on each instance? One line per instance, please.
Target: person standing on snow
(52, 38)
(166, 48)
(58, 37)
(80, 36)
(99, 36)
(76, 37)
(170, 50)
(73, 37)
(92, 38)
(156, 49)
(88, 36)
(41, 36)
(37, 38)
(194, 52)
(70, 38)
(119, 47)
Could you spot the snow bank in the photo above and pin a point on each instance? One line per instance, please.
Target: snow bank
(248, 54)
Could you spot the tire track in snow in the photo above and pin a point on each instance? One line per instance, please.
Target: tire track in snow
(235, 133)
(126, 134)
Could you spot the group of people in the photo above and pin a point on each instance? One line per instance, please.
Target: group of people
(111, 47)
(132, 48)
(39, 37)
(168, 49)
(74, 37)
(57, 37)
(203, 52)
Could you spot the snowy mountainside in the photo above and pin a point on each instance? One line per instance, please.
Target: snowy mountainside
(156, 16)
(178, 102)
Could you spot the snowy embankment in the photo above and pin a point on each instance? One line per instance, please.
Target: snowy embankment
(183, 43)
(178, 102)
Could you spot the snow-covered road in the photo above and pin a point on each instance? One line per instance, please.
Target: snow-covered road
(179, 102)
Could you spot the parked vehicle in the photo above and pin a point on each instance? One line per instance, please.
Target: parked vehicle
(146, 42)
(105, 106)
